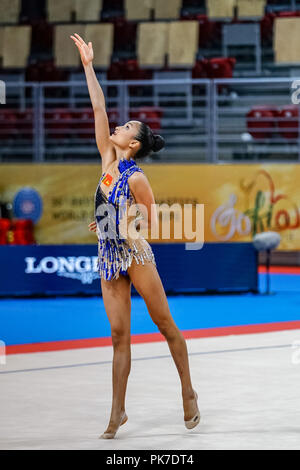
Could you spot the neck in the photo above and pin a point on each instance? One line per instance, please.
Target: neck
(127, 154)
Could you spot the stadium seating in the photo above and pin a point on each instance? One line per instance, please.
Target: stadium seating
(243, 35)
(25, 124)
(58, 123)
(138, 9)
(167, 9)
(101, 35)
(144, 31)
(65, 52)
(287, 33)
(288, 122)
(45, 71)
(22, 232)
(83, 123)
(8, 124)
(10, 11)
(88, 10)
(149, 115)
(16, 46)
(152, 44)
(220, 67)
(113, 118)
(262, 122)
(5, 225)
(1, 43)
(251, 8)
(220, 10)
(60, 11)
(183, 43)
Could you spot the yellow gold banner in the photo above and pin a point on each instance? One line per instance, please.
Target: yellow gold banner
(239, 200)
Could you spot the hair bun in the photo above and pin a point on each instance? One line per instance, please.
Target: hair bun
(159, 143)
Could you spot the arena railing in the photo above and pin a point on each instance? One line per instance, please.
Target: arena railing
(205, 121)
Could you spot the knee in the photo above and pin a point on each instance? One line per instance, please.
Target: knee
(119, 336)
(167, 329)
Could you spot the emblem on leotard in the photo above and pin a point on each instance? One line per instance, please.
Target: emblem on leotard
(107, 179)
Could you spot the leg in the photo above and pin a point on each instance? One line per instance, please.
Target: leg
(146, 280)
(117, 302)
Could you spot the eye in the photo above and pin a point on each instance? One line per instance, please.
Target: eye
(127, 127)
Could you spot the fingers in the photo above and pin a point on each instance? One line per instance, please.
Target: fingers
(76, 42)
(79, 39)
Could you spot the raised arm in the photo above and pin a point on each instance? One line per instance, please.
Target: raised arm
(104, 144)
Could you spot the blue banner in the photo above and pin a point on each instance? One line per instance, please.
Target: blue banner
(72, 269)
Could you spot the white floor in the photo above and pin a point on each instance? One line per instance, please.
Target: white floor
(248, 387)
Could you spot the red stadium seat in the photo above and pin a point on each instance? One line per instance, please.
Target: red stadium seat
(22, 232)
(266, 28)
(132, 71)
(58, 123)
(288, 14)
(5, 225)
(221, 67)
(127, 70)
(25, 123)
(149, 115)
(288, 121)
(200, 69)
(22, 224)
(262, 122)
(45, 71)
(84, 123)
(8, 124)
(113, 117)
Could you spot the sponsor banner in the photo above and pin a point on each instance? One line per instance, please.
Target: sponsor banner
(72, 269)
(239, 201)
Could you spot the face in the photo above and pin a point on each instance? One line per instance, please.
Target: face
(124, 136)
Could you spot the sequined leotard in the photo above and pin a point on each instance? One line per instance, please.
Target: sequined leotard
(113, 199)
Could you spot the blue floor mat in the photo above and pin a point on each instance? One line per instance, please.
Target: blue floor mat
(56, 319)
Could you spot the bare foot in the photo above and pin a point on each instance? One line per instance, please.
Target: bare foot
(190, 405)
(114, 425)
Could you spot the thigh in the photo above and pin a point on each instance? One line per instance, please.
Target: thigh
(147, 282)
(116, 296)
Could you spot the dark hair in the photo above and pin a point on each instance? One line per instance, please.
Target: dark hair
(150, 142)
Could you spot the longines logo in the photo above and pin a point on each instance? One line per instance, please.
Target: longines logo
(82, 268)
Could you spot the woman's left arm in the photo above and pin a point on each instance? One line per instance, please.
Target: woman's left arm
(143, 194)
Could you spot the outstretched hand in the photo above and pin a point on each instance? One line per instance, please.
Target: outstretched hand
(85, 50)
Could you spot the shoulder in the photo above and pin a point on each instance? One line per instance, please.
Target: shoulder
(141, 188)
(138, 179)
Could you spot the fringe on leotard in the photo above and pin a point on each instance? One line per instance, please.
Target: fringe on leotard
(115, 254)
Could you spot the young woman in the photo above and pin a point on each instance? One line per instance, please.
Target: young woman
(125, 261)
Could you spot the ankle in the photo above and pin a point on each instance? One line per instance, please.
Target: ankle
(188, 394)
(118, 411)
